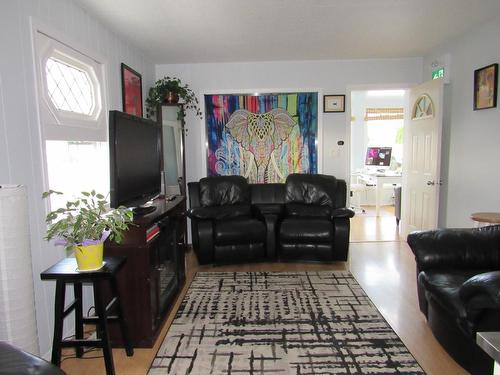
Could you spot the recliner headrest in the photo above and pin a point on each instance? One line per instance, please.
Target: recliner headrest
(224, 190)
(317, 189)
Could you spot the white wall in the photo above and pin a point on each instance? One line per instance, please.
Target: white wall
(331, 77)
(20, 151)
(471, 139)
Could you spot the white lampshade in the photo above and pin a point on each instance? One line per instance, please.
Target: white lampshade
(17, 303)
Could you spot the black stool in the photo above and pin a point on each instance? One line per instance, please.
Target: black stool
(65, 272)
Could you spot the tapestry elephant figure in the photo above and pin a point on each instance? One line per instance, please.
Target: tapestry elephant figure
(260, 134)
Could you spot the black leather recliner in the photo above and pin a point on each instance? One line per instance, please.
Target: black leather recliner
(305, 218)
(223, 226)
(458, 278)
(316, 222)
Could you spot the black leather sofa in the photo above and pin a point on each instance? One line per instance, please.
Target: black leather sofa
(458, 278)
(303, 219)
(14, 361)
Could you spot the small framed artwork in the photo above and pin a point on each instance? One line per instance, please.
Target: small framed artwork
(485, 87)
(333, 103)
(131, 91)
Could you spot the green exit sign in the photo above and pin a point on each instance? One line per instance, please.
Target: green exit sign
(438, 73)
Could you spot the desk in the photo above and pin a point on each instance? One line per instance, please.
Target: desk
(379, 179)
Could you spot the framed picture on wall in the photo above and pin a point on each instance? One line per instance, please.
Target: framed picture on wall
(131, 91)
(485, 87)
(333, 103)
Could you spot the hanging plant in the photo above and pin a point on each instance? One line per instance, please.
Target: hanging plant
(170, 90)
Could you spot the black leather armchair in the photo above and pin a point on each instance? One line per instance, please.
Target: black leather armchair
(458, 282)
(316, 221)
(223, 226)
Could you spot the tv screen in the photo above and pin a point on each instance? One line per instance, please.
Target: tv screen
(135, 159)
(378, 156)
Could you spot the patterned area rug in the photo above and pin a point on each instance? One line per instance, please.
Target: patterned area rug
(280, 323)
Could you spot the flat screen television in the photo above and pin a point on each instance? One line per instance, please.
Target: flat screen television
(135, 161)
(378, 156)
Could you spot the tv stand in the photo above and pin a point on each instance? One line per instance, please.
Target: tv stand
(154, 272)
(143, 210)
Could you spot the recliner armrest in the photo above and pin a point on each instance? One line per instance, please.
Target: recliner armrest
(219, 212)
(342, 213)
(484, 285)
(308, 210)
(481, 292)
(263, 209)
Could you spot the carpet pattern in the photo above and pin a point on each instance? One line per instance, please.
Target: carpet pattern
(308, 323)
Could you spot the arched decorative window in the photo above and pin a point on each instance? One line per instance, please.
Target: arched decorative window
(423, 108)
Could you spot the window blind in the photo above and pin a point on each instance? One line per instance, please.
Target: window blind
(384, 114)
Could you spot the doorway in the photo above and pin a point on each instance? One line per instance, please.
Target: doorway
(376, 157)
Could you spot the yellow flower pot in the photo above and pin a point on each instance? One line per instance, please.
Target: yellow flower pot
(89, 258)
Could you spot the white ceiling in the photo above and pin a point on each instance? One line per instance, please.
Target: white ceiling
(195, 31)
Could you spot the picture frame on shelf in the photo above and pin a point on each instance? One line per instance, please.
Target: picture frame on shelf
(333, 103)
(485, 87)
(131, 91)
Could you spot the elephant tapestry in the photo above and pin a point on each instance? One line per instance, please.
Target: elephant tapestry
(264, 138)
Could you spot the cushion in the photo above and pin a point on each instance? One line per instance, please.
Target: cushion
(224, 190)
(306, 231)
(239, 231)
(314, 189)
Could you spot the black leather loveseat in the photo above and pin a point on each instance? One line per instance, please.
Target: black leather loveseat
(458, 278)
(303, 219)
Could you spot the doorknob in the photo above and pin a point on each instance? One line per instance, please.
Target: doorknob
(431, 183)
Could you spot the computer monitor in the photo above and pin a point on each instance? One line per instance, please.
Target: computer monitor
(378, 156)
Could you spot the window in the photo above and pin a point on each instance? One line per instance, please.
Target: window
(69, 88)
(73, 124)
(423, 108)
(73, 167)
(384, 128)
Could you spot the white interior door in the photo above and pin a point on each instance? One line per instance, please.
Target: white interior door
(421, 163)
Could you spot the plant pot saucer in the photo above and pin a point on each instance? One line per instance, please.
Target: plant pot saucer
(93, 269)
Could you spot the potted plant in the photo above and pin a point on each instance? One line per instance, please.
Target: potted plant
(170, 90)
(84, 224)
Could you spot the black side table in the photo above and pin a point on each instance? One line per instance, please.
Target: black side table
(65, 272)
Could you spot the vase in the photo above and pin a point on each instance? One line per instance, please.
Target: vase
(89, 257)
(171, 97)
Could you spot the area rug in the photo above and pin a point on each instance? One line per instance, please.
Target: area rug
(280, 323)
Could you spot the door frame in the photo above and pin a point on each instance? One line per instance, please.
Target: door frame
(366, 87)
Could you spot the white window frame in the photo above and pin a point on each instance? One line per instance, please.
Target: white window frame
(64, 115)
(94, 130)
(67, 125)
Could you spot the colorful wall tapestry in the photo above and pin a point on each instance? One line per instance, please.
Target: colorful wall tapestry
(264, 138)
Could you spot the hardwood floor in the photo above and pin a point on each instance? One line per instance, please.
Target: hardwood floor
(385, 270)
(367, 227)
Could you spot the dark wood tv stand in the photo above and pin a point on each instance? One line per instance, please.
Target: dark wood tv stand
(154, 272)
